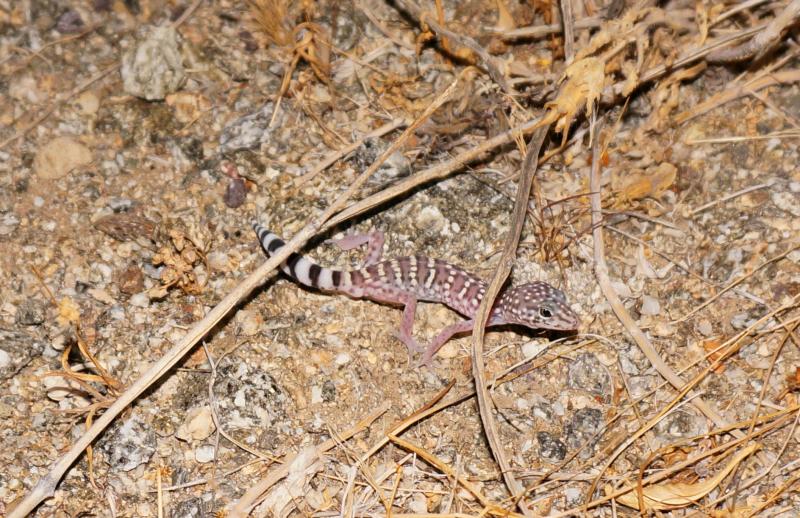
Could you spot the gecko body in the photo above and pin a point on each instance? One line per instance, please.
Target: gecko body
(406, 280)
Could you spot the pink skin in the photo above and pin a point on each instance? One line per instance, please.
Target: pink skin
(536, 305)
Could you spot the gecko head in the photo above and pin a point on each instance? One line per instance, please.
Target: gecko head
(537, 305)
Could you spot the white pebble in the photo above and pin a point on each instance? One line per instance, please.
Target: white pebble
(650, 306)
(204, 454)
(140, 300)
(5, 360)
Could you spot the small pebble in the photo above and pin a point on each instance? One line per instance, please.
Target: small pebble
(204, 454)
(58, 157)
(650, 306)
(197, 425)
(69, 22)
(235, 193)
(140, 300)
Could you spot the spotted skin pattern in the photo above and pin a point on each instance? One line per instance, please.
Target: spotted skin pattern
(406, 280)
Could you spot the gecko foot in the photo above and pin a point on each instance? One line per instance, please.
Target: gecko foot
(413, 346)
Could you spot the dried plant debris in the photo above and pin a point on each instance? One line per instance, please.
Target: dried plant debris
(184, 263)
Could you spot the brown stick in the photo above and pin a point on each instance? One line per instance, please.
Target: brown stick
(568, 19)
(763, 42)
(501, 274)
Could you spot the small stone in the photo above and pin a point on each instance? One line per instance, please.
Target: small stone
(198, 425)
(680, 424)
(650, 306)
(589, 374)
(140, 300)
(250, 130)
(60, 156)
(30, 313)
(120, 204)
(663, 329)
(131, 444)
(328, 391)
(17, 349)
(235, 193)
(8, 222)
(533, 349)
(430, 218)
(204, 454)
(69, 22)
(342, 359)
(154, 67)
(551, 448)
(88, 102)
(581, 431)
(101, 295)
(131, 280)
(219, 261)
(787, 201)
(705, 328)
(316, 395)
(5, 360)
(249, 322)
(448, 351)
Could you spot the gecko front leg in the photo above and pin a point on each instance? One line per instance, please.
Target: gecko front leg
(442, 338)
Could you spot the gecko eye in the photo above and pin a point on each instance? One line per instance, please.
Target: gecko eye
(545, 312)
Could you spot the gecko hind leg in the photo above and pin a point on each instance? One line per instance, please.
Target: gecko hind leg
(404, 334)
(374, 241)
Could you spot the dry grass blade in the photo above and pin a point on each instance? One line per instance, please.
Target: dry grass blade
(482, 316)
(601, 271)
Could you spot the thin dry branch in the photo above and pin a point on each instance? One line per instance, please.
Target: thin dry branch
(495, 285)
(764, 41)
(733, 93)
(568, 20)
(553, 28)
(601, 272)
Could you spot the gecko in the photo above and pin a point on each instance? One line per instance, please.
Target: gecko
(406, 280)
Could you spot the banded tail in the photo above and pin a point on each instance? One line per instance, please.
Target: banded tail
(298, 267)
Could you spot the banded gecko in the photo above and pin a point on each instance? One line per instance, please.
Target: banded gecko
(406, 280)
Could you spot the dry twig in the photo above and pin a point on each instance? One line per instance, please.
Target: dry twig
(764, 40)
(482, 315)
